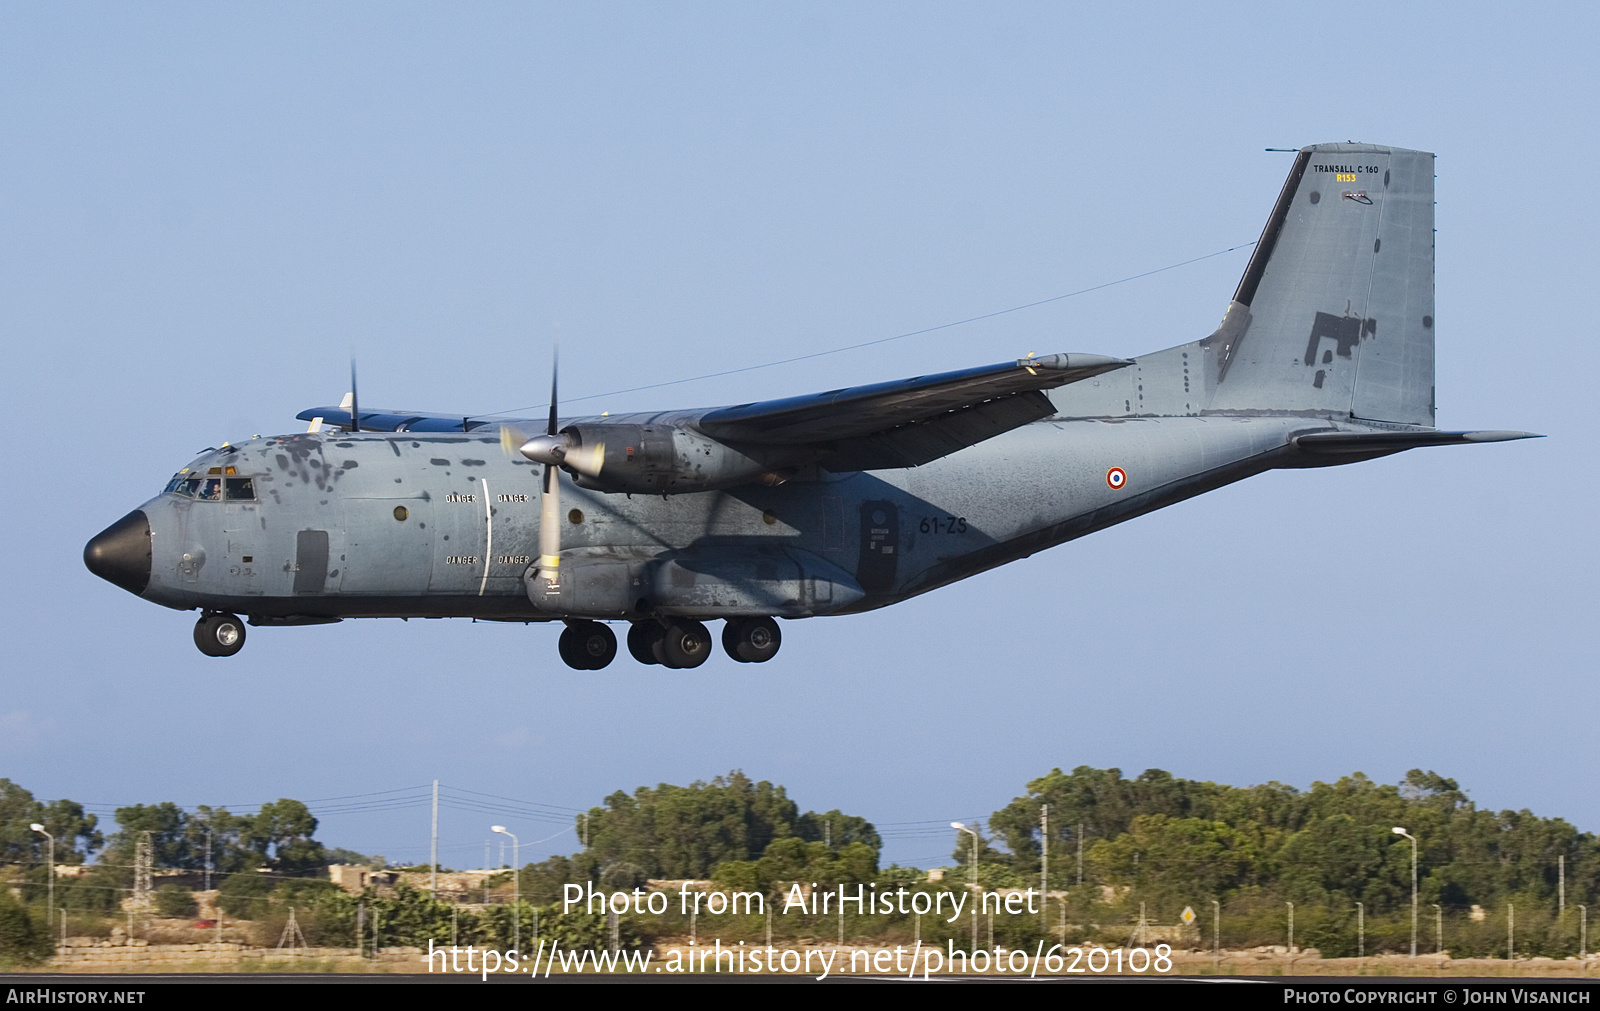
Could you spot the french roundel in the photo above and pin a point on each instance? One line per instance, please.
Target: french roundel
(1116, 477)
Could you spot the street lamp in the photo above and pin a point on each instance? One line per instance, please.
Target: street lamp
(1438, 932)
(49, 910)
(1400, 831)
(962, 828)
(516, 887)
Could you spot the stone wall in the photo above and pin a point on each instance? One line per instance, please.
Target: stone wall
(87, 954)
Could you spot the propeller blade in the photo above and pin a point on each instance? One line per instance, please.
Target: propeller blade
(550, 529)
(355, 403)
(586, 460)
(555, 368)
(550, 450)
(511, 440)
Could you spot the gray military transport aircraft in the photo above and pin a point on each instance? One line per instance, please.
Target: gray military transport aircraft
(832, 503)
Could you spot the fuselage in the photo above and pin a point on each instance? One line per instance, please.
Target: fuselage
(338, 524)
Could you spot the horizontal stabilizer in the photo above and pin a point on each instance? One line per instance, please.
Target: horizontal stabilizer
(1332, 443)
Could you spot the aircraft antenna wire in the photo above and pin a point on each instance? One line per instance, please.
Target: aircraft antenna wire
(881, 340)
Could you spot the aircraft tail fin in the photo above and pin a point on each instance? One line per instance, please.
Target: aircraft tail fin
(1334, 314)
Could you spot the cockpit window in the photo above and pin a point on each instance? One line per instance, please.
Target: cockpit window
(184, 485)
(213, 489)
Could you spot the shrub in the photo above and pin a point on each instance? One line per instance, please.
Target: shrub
(176, 901)
(23, 940)
(245, 895)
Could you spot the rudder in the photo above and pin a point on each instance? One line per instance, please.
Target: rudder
(1334, 314)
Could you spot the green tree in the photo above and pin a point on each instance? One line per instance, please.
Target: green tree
(683, 832)
(76, 834)
(167, 824)
(541, 883)
(793, 859)
(283, 830)
(227, 837)
(1166, 857)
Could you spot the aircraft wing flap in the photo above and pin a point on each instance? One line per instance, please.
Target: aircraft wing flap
(925, 441)
(862, 411)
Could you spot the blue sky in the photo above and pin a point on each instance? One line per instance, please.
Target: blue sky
(208, 208)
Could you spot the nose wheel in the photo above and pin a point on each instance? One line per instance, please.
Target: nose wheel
(751, 640)
(219, 634)
(587, 645)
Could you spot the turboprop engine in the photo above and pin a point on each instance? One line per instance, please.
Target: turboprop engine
(649, 459)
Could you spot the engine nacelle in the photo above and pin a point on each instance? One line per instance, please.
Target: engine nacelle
(666, 460)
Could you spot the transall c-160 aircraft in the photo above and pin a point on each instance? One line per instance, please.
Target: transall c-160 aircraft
(815, 505)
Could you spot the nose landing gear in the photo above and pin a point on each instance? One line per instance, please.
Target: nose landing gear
(219, 634)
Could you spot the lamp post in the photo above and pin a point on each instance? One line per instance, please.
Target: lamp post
(1402, 832)
(49, 909)
(1583, 937)
(1361, 930)
(1216, 933)
(516, 887)
(1438, 932)
(962, 828)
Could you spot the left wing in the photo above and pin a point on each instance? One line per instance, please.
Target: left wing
(905, 423)
(869, 410)
(909, 422)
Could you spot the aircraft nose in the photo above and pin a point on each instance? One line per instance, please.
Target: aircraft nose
(120, 553)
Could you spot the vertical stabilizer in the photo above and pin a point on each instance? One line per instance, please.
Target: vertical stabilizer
(1334, 314)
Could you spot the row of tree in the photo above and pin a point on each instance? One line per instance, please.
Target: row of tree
(1154, 842)
(1333, 845)
(278, 836)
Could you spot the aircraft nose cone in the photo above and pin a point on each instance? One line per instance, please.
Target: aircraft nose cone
(120, 553)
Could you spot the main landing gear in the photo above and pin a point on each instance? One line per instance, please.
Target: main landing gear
(679, 643)
(219, 634)
(587, 645)
(751, 640)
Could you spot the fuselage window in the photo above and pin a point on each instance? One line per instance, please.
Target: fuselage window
(240, 489)
(210, 490)
(175, 485)
(186, 486)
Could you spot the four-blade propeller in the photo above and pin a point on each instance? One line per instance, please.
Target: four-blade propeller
(555, 450)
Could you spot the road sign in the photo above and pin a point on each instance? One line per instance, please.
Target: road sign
(1188, 915)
